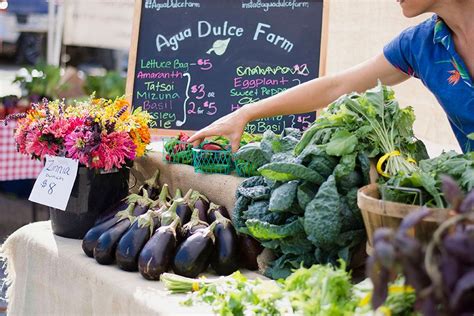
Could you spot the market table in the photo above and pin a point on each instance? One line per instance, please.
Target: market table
(52, 276)
(13, 165)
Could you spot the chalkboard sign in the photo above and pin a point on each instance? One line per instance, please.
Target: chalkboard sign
(194, 61)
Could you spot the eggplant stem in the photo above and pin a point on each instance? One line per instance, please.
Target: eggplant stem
(174, 225)
(222, 219)
(133, 198)
(178, 194)
(194, 221)
(213, 206)
(127, 214)
(154, 179)
(164, 193)
(128, 210)
(196, 195)
(210, 232)
(188, 194)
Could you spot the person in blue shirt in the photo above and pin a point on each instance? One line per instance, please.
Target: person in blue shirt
(439, 52)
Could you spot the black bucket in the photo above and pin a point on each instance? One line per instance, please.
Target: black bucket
(92, 194)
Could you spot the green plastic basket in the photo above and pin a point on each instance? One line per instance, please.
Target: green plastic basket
(245, 168)
(175, 151)
(212, 161)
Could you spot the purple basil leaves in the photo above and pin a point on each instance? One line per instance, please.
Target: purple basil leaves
(442, 271)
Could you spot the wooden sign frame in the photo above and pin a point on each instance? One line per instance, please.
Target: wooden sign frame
(134, 50)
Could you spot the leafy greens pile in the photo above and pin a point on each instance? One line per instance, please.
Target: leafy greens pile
(427, 178)
(304, 205)
(371, 122)
(319, 290)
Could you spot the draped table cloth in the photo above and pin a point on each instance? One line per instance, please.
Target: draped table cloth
(51, 275)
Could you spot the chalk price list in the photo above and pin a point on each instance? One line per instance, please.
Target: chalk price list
(169, 93)
(173, 97)
(189, 73)
(252, 84)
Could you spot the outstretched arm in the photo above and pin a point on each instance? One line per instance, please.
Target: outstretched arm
(307, 97)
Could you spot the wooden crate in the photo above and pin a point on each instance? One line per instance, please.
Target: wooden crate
(378, 213)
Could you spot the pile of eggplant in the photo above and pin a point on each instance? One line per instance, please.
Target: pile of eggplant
(153, 232)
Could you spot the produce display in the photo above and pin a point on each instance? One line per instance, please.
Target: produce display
(304, 206)
(318, 290)
(427, 178)
(297, 221)
(152, 232)
(371, 122)
(441, 272)
(178, 150)
(211, 156)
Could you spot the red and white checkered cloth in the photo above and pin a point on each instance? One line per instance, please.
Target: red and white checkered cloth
(13, 165)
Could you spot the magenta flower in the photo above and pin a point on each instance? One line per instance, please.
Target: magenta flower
(59, 128)
(77, 145)
(115, 148)
(38, 146)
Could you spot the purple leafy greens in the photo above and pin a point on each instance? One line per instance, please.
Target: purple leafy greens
(442, 271)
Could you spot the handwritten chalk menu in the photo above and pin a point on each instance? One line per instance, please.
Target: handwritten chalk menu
(197, 61)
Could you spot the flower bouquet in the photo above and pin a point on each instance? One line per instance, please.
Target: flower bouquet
(104, 136)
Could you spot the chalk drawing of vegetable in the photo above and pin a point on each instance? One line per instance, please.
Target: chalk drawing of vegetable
(219, 47)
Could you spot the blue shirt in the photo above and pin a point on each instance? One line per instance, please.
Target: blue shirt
(427, 52)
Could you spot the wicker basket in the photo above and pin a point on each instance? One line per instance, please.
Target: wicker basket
(378, 213)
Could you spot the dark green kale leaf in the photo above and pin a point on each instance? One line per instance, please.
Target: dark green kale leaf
(266, 231)
(282, 198)
(258, 192)
(259, 210)
(305, 193)
(322, 219)
(363, 163)
(251, 153)
(281, 171)
(238, 218)
(282, 267)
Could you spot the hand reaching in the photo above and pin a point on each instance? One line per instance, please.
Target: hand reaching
(231, 126)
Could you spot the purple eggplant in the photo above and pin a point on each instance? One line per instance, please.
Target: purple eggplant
(103, 224)
(104, 251)
(211, 217)
(156, 256)
(200, 202)
(151, 186)
(193, 225)
(226, 251)
(250, 249)
(132, 242)
(120, 206)
(141, 202)
(183, 210)
(192, 256)
(89, 242)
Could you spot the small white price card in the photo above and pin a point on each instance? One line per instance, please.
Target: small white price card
(54, 184)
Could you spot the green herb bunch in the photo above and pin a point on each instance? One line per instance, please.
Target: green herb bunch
(371, 122)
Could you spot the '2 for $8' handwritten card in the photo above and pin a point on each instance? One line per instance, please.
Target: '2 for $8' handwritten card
(54, 184)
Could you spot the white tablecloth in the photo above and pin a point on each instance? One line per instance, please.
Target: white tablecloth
(52, 276)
